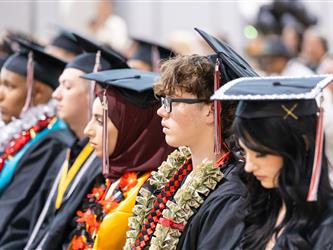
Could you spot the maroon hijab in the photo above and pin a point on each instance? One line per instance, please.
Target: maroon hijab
(141, 143)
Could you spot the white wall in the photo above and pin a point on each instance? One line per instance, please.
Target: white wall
(150, 19)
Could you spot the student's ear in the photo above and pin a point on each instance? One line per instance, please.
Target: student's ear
(209, 109)
(41, 93)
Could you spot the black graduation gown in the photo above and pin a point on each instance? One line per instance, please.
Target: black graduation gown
(34, 168)
(218, 223)
(17, 232)
(320, 239)
(57, 224)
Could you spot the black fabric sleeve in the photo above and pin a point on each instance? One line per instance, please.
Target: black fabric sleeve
(218, 225)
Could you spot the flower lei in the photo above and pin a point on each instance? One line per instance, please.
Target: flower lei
(92, 215)
(200, 182)
(27, 120)
(41, 117)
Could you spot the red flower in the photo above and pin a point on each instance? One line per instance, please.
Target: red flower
(16, 145)
(127, 181)
(97, 192)
(79, 243)
(108, 205)
(89, 219)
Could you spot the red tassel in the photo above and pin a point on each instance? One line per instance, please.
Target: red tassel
(316, 168)
(217, 113)
(155, 58)
(30, 81)
(92, 94)
(105, 143)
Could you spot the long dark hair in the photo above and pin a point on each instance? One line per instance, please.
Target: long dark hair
(294, 141)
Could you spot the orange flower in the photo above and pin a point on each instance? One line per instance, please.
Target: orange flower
(79, 243)
(127, 181)
(89, 219)
(108, 205)
(97, 192)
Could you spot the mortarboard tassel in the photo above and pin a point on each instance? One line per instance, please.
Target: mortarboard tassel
(30, 82)
(155, 58)
(316, 168)
(92, 94)
(105, 143)
(217, 112)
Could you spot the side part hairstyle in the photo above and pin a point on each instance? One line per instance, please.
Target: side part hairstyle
(294, 141)
(193, 74)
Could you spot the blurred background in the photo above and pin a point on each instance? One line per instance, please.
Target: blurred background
(166, 22)
(285, 37)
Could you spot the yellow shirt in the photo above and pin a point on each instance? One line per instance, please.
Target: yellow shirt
(112, 231)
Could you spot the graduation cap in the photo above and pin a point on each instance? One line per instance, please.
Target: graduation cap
(13, 37)
(285, 97)
(232, 65)
(66, 41)
(229, 65)
(110, 59)
(135, 85)
(47, 68)
(151, 53)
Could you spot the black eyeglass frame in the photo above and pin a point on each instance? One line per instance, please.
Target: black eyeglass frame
(166, 102)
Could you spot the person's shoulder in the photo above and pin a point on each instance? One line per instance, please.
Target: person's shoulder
(232, 183)
(322, 236)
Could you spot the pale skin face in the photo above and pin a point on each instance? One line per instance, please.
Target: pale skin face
(265, 167)
(190, 125)
(72, 97)
(94, 130)
(182, 125)
(13, 92)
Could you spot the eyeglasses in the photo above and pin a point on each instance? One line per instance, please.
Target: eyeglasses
(167, 102)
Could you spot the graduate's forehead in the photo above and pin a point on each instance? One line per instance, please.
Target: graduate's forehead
(11, 77)
(97, 108)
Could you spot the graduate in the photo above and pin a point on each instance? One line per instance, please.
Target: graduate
(280, 128)
(148, 56)
(80, 169)
(64, 46)
(32, 136)
(126, 133)
(196, 199)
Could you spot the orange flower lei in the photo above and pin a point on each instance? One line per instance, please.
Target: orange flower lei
(99, 206)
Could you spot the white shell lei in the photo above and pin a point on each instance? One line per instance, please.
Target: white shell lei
(27, 120)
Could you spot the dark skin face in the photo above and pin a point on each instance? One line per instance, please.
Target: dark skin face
(13, 92)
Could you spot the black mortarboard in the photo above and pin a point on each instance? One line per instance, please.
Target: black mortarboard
(285, 97)
(110, 59)
(15, 37)
(232, 65)
(228, 66)
(135, 85)
(86, 63)
(263, 96)
(145, 51)
(47, 68)
(65, 40)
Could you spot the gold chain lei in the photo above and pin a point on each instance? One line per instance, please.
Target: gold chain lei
(200, 182)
